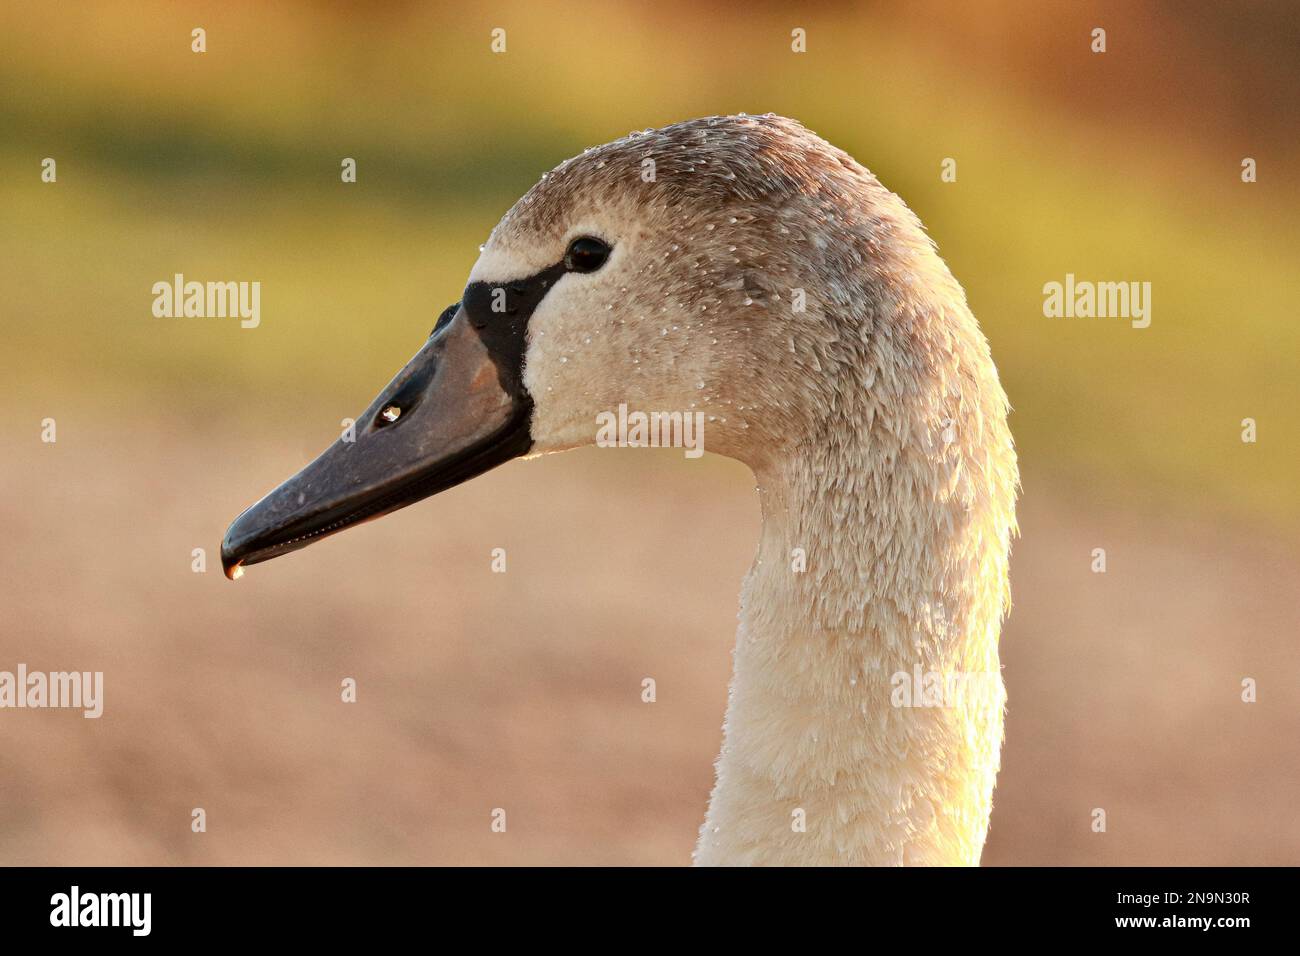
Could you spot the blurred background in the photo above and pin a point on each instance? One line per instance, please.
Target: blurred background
(522, 690)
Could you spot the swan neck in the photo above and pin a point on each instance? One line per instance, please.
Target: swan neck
(857, 580)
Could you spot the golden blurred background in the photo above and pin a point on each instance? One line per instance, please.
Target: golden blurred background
(522, 690)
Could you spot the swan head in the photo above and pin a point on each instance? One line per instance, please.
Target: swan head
(738, 270)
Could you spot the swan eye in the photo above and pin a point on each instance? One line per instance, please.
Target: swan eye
(586, 255)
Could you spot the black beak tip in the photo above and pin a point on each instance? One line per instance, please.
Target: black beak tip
(232, 553)
(231, 565)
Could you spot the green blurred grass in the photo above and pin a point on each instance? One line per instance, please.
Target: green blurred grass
(226, 165)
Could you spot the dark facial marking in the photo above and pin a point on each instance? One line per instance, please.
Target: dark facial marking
(500, 311)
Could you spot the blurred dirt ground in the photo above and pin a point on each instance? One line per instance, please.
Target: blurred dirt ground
(522, 691)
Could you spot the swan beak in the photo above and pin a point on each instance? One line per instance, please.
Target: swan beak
(455, 411)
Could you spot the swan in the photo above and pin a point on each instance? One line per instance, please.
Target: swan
(743, 267)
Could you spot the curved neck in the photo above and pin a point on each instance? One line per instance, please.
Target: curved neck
(871, 564)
